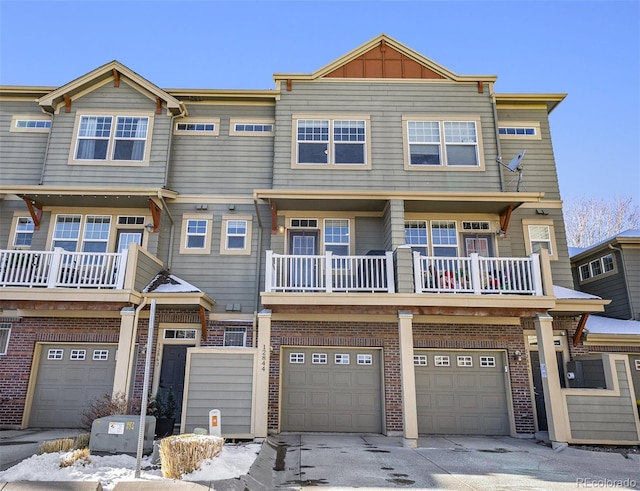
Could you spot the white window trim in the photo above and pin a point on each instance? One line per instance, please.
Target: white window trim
(83, 227)
(206, 249)
(521, 124)
(592, 276)
(235, 330)
(29, 117)
(441, 119)
(13, 233)
(5, 326)
(350, 235)
(109, 162)
(330, 143)
(553, 254)
(214, 121)
(246, 251)
(256, 121)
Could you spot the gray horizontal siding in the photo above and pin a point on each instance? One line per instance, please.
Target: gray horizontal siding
(21, 153)
(108, 98)
(222, 164)
(604, 418)
(632, 268)
(369, 235)
(386, 104)
(222, 381)
(146, 271)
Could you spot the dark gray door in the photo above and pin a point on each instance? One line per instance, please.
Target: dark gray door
(541, 411)
(303, 270)
(331, 389)
(174, 361)
(461, 392)
(70, 376)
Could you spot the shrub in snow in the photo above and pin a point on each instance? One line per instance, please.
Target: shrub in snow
(183, 454)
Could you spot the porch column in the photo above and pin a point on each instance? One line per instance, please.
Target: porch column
(261, 406)
(126, 343)
(553, 400)
(408, 379)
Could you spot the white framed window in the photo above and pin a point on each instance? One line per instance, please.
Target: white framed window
(236, 235)
(637, 364)
(464, 361)
(363, 359)
(597, 267)
(180, 333)
(30, 123)
(441, 361)
(303, 223)
(197, 127)
(319, 358)
(335, 141)
(131, 220)
(78, 354)
(415, 235)
(55, 354)
(235, 336)
(540, 234)
(420, 360)
(444, 238)
(478, 225)
(100, 355)
(196, 233)
(519, 130)
(607, 263)
(5, 334)
(433, 142)
(23, 232)
(251, 127)
(487, 361)
(96, 234)
(341, 359)
(66, 232)
(336, 236)
(296, 358)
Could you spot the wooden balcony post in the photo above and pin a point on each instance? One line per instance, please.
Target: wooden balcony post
(391, 282)
(536, 274)
(418, 275)
(122, 269)
(476, 281)
(546, 277)
(328, 272)
(268, 274)
(54, 270)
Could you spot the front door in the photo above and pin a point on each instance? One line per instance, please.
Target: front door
(125, 237)
(538, 391)
(481, 244)
(174, 361)
(304, 272)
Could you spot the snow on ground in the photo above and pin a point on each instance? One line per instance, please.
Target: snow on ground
(233, 461)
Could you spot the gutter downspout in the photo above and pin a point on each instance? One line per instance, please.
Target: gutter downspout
(626, 281)
(492, 95)
(46, 149)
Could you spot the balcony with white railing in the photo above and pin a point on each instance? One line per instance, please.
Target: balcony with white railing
(62, 269)
(329, 274)
(478, 275)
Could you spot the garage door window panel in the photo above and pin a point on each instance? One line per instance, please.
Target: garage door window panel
(365, 360)
(296, 358)
(441, 361)
(55, 354)
(100, 355)
(465, 361)
(319, 358)
(78, 354)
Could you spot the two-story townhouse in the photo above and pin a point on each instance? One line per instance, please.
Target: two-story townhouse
(377, 246)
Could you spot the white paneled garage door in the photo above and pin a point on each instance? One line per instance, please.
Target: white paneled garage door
(461, 392)
(69, 377)
(331, 389)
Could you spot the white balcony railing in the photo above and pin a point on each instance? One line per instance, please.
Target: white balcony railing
(329, 273)
(477, 275)
(62, 269)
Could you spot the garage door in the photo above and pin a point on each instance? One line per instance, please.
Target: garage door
(335, 390)
(69, 377)
(634, 364)
(461, 392)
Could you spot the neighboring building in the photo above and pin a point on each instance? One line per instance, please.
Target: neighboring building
(354, 251)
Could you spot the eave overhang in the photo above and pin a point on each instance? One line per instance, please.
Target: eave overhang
(66, 298)
(181, 299)
(578, 306)
(225, 95)
(626, 340)
(551, 101)
(606, 246)
(376, 201)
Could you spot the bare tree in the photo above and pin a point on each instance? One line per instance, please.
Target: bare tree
(590, 220)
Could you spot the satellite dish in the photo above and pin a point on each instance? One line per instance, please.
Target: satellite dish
(514, 165)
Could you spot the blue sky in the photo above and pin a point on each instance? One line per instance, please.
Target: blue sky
(587, 49)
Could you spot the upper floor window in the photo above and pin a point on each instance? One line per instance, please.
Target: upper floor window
(197, 126)
(596, 267)
(539, 234)
(236, 235)
(415, 234)
(24, 232)
(196, 233)
(112, 138)
(444, 237)
(439, 143)
(251, 127)
(333, 142)
(66, 232)
(336, 236)
(38, 123)
(529, 130)
(96, 234)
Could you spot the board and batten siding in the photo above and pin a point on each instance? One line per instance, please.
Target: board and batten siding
(125, 98)
(21, 152)
(595, 416)
(222, 379)
(386, 104)
(222, 164)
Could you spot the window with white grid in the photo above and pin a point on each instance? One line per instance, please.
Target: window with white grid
(319, 358)
(487, 361)
(5, 333)
(365, 359)
(441, 361)
(341, 359)
(235, 336)
(465, 361)
(296, 357)
(24, 232)
(100, 355)
(55, 354)
(78, 354)
(420, 360)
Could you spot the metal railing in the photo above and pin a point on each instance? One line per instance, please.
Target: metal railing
(328, 273)
(477, 275)
(62, 269)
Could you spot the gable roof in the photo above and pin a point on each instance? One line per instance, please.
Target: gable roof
(382, 58)
(629, 236)
(112, 70)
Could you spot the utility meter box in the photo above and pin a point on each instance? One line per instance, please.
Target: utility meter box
(119, 434)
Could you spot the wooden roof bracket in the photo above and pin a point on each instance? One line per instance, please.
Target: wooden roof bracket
(581, 325)
(116, 78)
(480, 87)
(289, 84)
(505, 216)
(67, 103)
(155, 213)
(274, 219)
(158, 105)
(203, 322)
(35, 210)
